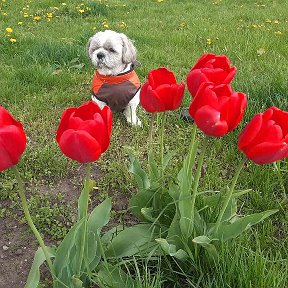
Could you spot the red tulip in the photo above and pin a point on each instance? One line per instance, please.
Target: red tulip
(217, 110)
(84, 132)
(264, 139)
(161, 92)
(210, 68)
(12, 140)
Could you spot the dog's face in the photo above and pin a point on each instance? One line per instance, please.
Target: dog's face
(110, 52)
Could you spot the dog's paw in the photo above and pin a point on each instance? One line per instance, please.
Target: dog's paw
(134, 122)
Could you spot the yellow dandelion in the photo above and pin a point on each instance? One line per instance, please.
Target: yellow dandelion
(49, 15)
(254, 26)
(4, 14)
(94, 28)
(122, 24)
(268, 21)
(276, 22)
(81, 11)
(64, 4)
(12, 40)
(9, 30)
(209, 41)
(278, 33)
(105, 24)
(25, 15)
(37, 18)
(20, 23)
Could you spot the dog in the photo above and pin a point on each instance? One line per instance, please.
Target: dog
(115, 83)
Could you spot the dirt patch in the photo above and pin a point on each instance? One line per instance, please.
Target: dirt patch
(17, 248)
(18, 244)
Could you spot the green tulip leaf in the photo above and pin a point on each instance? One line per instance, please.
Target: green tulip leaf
(137, 239)
(147, 213)
(76, 282)
(167, 158)
(139, 174)
(66, 252)
(98, 219)
(141, 199)
(174, 232)
(34, 274)
(110, 234)
(153, 168)
(170, 249)
(113, 276)
(205, 242)
(83, 199)
(227, 231)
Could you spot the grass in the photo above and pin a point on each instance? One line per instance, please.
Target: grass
(47, 70)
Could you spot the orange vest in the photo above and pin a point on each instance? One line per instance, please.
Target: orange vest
(116, 91)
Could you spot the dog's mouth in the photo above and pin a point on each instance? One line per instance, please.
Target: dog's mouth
(100, 63)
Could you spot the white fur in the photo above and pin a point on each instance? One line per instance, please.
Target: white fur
(118, 54)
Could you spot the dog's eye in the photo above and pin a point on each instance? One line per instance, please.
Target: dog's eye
(112, 50)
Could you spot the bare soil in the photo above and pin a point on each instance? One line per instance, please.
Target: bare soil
(18, 244)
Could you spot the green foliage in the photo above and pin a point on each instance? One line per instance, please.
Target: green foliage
(195, 221)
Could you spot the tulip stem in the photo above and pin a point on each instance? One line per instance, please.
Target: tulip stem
(151, 129)
(229, 195)
(196, 179)
(30, 221)
(84, 213)
(162, 142)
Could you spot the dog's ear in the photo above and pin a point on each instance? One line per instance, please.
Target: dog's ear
(88, 46)
(129, 51)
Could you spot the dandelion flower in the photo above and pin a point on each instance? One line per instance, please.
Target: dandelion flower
(20, 23)
(81, 11)
(37, 18)
(276, 22)
(9, 30)
(278, 33)
(209, 41)
(12, 40)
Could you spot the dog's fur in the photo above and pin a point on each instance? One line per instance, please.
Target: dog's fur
(117, 55)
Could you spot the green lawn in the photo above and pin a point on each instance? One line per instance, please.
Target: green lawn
(47, 70)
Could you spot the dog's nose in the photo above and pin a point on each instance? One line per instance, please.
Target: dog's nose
(100, 55)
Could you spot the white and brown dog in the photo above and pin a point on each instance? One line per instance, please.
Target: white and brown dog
(115, 82)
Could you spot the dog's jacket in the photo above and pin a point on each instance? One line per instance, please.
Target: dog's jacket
(116, 91)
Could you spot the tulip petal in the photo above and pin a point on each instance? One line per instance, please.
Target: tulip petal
(12, 145)
(208, 120)
(168, 95)
(281, 118)
(204, 96)
(87, 110)
(64, 122)
(107, 117)
(230, 75)
(80, 146)
(233, 110)
(203, 60)
(250, 131)
(194, 80)
(161, 76)
(7, 119)
(266, 152)
(150, 100)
